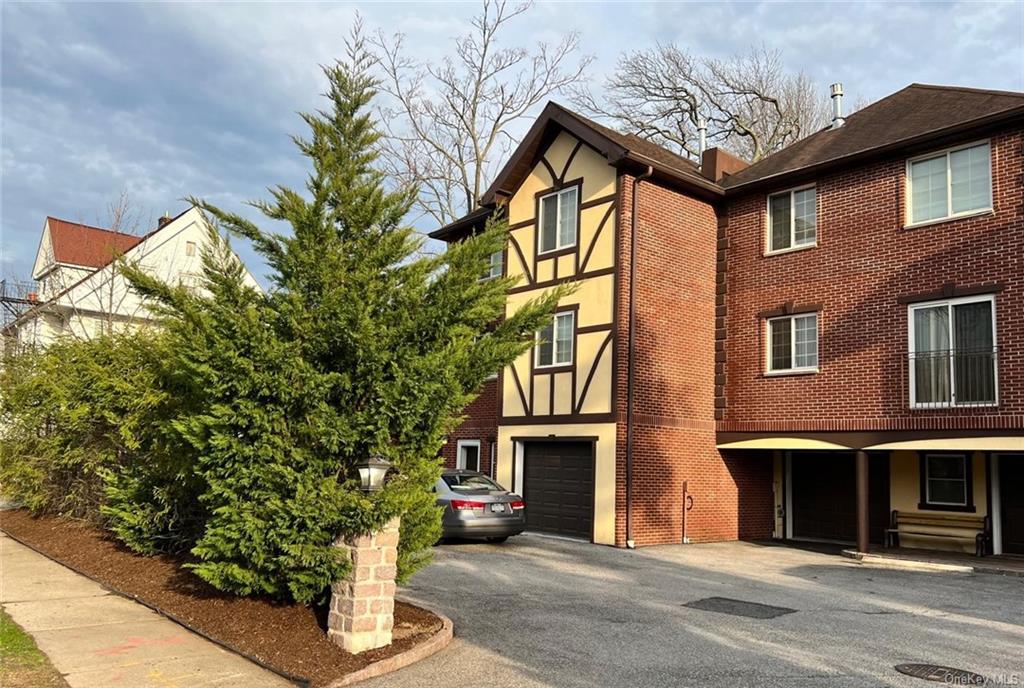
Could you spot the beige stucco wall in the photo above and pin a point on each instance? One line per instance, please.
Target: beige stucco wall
(905, 495)
(594, 299)
(604, 466)
(594, 294)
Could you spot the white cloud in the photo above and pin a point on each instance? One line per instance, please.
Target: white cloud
(176, 99)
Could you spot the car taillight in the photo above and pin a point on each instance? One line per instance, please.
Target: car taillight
(519, 504)
(460, 504)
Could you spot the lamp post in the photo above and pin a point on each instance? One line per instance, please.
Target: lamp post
(372, 470)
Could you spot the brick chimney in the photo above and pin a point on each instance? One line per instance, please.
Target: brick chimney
(716, 164)
(163, 221)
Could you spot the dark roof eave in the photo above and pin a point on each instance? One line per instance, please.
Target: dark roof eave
(464, 223)
(878, 151)
(557, 114)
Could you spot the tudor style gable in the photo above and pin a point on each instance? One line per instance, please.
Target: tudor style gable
(562, 229)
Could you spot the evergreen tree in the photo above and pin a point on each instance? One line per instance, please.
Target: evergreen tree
(363, 345)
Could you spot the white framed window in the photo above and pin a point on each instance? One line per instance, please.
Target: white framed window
(951, 183)
(558, 213)
(946, 480)
(468, 455)
(495, 266)
(793, 344)
(792, 219)
(190, 248)
(554, 342)
(952, 352)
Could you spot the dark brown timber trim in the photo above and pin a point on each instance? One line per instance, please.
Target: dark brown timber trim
(561, 280)
(519, 387)
(550, 169)
(522, 259)
(597, 235)
(568, 161)
(562, 419)
(610, 198)
(593, 369)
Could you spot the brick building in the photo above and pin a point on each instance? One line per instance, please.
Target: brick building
(821, 345)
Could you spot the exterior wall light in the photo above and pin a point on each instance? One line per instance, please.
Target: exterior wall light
(372, 471)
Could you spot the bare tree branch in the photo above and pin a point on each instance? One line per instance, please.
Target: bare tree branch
(751, 104)
(446, 125)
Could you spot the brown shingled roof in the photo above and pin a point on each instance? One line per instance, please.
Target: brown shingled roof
(78, 244)
(616, 147)
(640, 145)
(912, 114)
(915, 115)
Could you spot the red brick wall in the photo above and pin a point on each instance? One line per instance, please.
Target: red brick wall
(481, 423)
(864, 260)
(674, 389)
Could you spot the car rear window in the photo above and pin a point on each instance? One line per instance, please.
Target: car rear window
(460, 483)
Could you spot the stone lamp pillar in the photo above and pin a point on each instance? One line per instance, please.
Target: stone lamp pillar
(363, 603)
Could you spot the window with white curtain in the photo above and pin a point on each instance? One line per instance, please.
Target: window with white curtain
(792, 219)
(793, 343)
(954, 182)
(558, 212)
(953, 353)
(554, 342)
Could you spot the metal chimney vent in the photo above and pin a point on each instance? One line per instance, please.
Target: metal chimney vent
(837, 105)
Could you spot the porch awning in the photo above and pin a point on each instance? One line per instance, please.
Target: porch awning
(783, 443)
(992, 444)
(877, 441)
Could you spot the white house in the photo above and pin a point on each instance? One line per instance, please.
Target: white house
(81, 291)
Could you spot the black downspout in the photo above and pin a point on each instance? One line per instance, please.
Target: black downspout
(631, 348)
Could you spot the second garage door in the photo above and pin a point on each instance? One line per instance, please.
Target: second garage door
(824, 496)
(558, 486)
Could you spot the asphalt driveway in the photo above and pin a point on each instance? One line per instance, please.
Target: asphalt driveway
(545, 612)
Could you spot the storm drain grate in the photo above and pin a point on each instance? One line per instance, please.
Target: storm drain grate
(726, 605)
(943, 674)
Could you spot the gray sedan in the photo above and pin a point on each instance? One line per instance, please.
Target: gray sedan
(477, 507)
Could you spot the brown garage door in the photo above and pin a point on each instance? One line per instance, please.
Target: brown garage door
(1011, 494)
(558, 486)
(825, 496)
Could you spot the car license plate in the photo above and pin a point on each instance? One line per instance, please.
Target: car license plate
(497, 508)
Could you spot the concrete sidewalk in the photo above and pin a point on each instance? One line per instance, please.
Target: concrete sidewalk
(922, 559)
(97, 639)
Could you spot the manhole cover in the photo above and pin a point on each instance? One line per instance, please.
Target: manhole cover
(726, 605)
(943, 674)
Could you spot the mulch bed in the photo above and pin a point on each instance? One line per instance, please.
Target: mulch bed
(288, 637)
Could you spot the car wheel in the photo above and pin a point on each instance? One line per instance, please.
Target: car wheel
(497, 540)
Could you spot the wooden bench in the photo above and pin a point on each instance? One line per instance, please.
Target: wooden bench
(952, 526)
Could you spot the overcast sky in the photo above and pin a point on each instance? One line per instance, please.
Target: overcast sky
(169, 100)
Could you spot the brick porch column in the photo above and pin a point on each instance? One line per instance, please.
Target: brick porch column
(363, 604)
